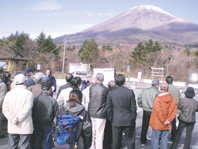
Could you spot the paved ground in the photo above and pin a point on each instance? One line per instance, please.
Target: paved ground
(137, 90)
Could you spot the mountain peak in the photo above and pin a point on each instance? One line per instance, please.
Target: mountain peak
(151, 8)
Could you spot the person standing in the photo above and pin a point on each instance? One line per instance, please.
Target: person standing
(187, 117)
(17, 108)
(29, 81)
(85, 92)
(122, 112)
(64, 94)
(43, 113)
(68, 78)
(84, 126)
(145, 101)
(107, 143)
(174, 91)
(163, 113)
(3, 91)
(36, 88)
(52, 80)
(97, 111)
(13, 83)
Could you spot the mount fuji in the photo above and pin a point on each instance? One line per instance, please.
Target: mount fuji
(139, 23)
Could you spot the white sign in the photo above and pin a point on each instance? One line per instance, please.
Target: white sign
(78, 69)
(139, 76)
(3, 64)
(109, 74)
(128, 69)
(38, 66)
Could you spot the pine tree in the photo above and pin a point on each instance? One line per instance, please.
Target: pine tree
(89, 51)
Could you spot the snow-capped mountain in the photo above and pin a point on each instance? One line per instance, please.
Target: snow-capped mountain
(142, 17)
(139, 23)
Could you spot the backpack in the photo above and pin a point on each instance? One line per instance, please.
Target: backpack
(66, 131)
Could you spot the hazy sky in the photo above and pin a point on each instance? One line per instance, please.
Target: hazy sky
(59, 17)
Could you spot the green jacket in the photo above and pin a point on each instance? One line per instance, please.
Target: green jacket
(174, 91)
(146, 98)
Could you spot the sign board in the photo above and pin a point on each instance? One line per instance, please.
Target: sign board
(139, 76)
(109, 74)
(3, 64)
(157, 72)
(38, 66)
(128, 69)
(78, 69)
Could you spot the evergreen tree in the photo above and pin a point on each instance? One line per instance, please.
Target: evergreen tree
(143, 53)
(89, 51)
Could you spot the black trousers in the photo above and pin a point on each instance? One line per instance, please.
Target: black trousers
(173, 131)
(129, 135)
(107, 143)
(189, 129)
(145, 125)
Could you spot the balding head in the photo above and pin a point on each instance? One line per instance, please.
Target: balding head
(164, 86)
(100, 77)
(111, 85)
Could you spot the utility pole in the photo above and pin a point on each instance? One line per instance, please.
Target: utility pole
(64, 57)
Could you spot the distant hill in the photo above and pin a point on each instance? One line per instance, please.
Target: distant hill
(139, 23)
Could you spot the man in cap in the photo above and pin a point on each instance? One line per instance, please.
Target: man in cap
(17, 108)
(187, 117)
(43, 113)
(3, 91)
(174, 91)
(145, 101)
(36, 88)
(13, 83)
(163, 113)
(29, 81)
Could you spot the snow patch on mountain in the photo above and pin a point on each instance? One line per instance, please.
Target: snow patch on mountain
(151, 8)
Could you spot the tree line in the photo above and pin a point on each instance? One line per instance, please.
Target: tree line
(43, 50)
(178, 62)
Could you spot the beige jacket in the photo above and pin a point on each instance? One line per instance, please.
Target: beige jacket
(18, 104)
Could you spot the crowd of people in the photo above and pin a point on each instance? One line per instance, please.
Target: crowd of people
(90, 115)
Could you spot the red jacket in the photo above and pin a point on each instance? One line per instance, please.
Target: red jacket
(164, 107)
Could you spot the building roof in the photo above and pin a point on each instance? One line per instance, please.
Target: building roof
(18, 58)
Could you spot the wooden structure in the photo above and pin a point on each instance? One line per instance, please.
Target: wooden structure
(13, 63)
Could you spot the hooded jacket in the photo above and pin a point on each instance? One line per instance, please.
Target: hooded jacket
(84, 135)
(188, 107)
(164, 108)
(146, 98)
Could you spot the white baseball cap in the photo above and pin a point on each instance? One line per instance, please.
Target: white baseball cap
(19, 79)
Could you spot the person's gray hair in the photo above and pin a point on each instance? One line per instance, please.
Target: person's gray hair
(100, 77)
(38, 77)
(111, 85)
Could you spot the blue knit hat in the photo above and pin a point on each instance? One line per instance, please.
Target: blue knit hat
(28, 70)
